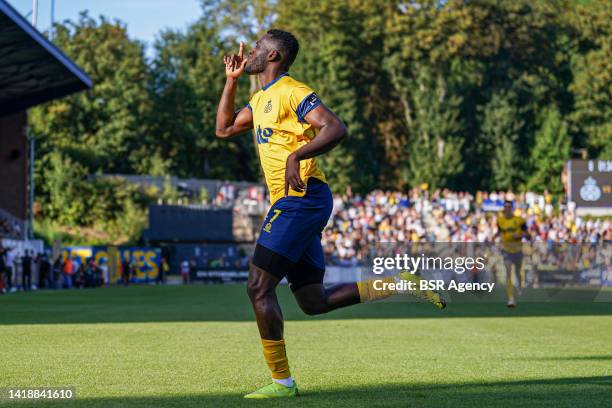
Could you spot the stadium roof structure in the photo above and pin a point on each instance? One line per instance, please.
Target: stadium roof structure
(32, 69)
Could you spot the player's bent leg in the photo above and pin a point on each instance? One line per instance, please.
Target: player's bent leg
(315, 299)
(306, 283)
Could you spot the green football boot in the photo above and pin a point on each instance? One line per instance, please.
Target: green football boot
(430, 295)
(275, 390)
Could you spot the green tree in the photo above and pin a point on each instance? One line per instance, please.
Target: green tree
(187, 79)
(432, 50)
(102, 128)
(550, 153)
(63, 188)
(501, 126)
(433, 151)
(340, 60)
(591, 87)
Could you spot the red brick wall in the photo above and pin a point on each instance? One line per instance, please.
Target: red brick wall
(14, 164)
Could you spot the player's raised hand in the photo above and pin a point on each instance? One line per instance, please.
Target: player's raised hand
(234, 64)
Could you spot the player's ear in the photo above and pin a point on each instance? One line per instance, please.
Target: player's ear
(274, 55)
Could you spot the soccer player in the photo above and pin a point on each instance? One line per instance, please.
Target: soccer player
(292, 126)
(512, 230)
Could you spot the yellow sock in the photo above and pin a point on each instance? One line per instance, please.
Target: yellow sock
(367, 292)
(276, 357)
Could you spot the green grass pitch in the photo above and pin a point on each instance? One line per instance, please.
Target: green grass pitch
(198, 346)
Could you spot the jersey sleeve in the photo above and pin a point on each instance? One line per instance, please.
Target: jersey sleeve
(303, 100)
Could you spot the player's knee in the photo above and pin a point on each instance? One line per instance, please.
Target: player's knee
(257, 289)
(312, 309)
(254, 290)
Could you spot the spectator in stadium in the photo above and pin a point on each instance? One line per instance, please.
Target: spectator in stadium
(205, 260)
(44, 272)
(90, 273)
(163, 271)
(9, 268)
(9, 229)
(192, 267)
(56, 272)
(79, 275)
(133, 267)
(125, 271)
(185, 267)
(98, 275)
(26, 271)
(68, 272)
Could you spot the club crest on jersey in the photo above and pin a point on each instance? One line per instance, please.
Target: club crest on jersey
(268, 107)
(263, 135)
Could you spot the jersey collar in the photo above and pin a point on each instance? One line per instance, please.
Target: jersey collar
(274, 81)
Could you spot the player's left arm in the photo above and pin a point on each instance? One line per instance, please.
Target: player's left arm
(331, 132)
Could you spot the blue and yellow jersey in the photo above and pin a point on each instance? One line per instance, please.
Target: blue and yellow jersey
(278, 119)
(508, 227)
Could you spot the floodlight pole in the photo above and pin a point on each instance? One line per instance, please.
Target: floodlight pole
(30, 226)
(51, 30)
(34, 12)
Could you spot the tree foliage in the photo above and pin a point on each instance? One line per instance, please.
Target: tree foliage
(468, 95)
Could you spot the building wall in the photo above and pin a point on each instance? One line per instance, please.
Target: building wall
(14, 164)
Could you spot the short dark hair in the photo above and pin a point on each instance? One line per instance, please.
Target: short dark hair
(288, 46)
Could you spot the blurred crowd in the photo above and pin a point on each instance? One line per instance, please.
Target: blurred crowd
(9, 228)
(358, 222)
(33, 270)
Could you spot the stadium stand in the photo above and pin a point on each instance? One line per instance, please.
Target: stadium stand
(212, 225)
(250, 198)
(447, 216)
(10, 226)
(32, 71)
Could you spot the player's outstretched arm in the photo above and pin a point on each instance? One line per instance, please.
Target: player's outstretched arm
(228, 122)
(331, 132)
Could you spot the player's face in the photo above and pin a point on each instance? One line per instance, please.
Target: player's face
(257, 59)
(508, 210)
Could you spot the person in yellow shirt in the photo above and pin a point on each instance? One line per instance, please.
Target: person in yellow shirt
(292, 127)
(512, 229)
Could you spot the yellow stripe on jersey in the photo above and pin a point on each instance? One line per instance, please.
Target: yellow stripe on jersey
(278, 118)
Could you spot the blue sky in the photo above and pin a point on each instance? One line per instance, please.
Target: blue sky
(144, 18)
